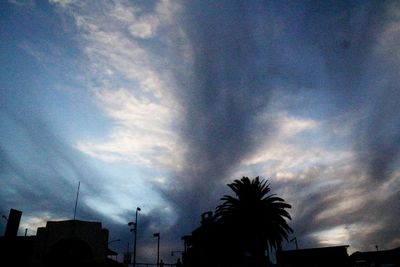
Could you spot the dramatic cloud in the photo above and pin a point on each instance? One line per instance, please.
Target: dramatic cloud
(159, 104)
(238, 68)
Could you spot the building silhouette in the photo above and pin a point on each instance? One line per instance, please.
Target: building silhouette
(60, 243)
(314, 257)
(387, 258)
(211, 245)
(73, 242)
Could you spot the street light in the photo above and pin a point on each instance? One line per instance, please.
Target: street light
(134, 226)
(158, 247)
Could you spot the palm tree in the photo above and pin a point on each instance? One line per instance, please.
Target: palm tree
(256, 219)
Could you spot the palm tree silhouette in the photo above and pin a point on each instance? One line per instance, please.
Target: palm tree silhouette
(255, 218)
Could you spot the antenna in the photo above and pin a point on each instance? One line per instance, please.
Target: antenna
(77, 195)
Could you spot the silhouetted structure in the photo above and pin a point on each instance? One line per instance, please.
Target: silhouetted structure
(389, 257)
(214, 245)
(243, 228)
(75, 242)
(201, 248)
(61, 243)
(178, 263)
(13, 223)
(314, 257)
(15, 249)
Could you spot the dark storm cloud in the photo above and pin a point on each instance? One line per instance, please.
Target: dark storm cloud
(243, 52)
(235, 69)
(379, 134)
(348, 35)
(344, 35)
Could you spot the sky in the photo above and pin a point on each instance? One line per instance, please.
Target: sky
(160, 104)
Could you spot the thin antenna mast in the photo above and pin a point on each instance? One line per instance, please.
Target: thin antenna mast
(76, 202)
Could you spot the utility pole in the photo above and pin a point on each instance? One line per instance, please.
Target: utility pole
(158, 248)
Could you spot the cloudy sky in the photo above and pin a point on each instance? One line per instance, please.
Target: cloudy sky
(159, 104)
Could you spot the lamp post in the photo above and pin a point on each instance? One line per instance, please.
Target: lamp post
(158, 248)
(134, 229)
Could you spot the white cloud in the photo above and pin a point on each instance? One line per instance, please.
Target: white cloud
(32, 223)
(352, 199)
(134, 86)
(142, 134)
(336, 236)
(291, 126)
(145, 27)
(296, 144)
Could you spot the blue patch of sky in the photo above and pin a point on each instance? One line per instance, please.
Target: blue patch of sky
(43, 71)
(15, 142)
(122, 175)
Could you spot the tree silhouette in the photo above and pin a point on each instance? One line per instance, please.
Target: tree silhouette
(254, 221)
